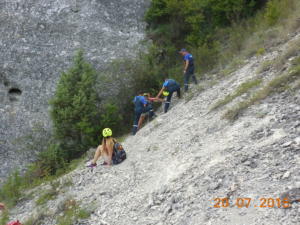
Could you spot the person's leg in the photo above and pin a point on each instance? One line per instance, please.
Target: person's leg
(186, 81)
(97, 154)
(178, 92)
(194, 77)
(141, 120)
(137, 116)
(167, 103)
(151, 110)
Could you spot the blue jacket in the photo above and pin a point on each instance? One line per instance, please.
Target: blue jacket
(139, 102)
(171, 85)
(189, 57)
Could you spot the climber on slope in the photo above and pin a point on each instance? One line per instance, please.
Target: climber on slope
(149, 109)
(188, 69)
(110, 150)
(168, 88)
(140, 106)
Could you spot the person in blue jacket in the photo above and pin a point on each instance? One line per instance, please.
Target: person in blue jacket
(140, 106)
(189, 68)
(168, 88)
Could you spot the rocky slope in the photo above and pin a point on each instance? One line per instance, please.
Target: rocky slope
(183, 160)
(38, 40)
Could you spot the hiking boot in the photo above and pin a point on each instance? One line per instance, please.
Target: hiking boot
(92, 165)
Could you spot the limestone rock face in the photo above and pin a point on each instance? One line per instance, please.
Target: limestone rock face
(38, 41)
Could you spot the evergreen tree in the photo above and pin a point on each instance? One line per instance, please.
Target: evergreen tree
(74, 109)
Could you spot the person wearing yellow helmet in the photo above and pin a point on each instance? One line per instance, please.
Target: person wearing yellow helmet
(169, 87)
(106, 149)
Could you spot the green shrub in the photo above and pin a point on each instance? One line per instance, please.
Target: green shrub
(243, 88)
(4, 217)
(273, 11)
(49, 194)
(72, 212)
(51, 160)
(10, 192)
(278, 84)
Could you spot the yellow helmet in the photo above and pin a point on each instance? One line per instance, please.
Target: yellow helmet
(107, 132)
(166, 93)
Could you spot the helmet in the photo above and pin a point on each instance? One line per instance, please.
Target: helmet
(166, 93)
(107, 132)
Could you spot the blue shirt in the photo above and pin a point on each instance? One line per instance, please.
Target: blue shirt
(139, 102)
(170, 85)
(189, 57)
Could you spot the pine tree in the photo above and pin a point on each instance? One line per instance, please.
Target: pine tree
(74, 109)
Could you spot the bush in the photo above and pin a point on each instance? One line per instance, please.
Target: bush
(51, 160)
(4, 217)
(272, 11)
(11, 190)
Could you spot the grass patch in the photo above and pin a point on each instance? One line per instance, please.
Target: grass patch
(243, 88)
(278, 84)
(292, 51)
(4, 217)
(11, 190)
(49, 194)
(72, 212)
(16, 185)
(232, 66)
(265, 66)
(37, 220)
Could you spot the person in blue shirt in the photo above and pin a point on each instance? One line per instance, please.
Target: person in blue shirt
(140, 104)
(189, 68)
(168, 88)
(149, 111)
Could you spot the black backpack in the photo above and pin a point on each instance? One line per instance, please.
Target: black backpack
(119, 154)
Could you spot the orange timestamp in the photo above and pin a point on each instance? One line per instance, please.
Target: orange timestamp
(249, 202)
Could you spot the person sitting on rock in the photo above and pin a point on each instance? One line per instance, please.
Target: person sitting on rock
(106, 150)
(168, 88)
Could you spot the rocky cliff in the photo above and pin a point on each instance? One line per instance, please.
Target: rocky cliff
(38, 40)
(183, 161)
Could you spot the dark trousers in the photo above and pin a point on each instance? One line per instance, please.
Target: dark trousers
(187, 75)
(149, 109)
(167, 103)
(137, 115)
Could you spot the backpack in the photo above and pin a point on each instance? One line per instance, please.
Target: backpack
(119, 154)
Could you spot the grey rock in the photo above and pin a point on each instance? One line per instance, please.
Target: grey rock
(287, 144)
(38, 41)
(293, 195)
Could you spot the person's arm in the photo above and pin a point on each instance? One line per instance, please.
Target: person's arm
(160, 92)
(186, 65)
(156, 99)
(110, 153)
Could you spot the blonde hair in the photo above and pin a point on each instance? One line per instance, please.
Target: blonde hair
(108, 145)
